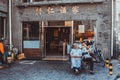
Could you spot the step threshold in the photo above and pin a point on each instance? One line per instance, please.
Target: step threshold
(56, 58)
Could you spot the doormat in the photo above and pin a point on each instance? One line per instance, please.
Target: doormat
(27, 62)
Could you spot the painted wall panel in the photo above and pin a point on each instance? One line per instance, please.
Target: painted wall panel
(31, 44)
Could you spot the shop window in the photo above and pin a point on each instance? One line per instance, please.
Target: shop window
(83, 31)
(31, 31)
(2, 27)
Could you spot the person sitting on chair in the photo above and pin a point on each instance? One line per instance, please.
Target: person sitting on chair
(87, 58)
(76, 58)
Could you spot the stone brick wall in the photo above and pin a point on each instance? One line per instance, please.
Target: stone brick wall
(117, 36)
(3, 5)
(117, 29)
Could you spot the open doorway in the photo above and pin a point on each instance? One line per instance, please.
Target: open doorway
(55, 37)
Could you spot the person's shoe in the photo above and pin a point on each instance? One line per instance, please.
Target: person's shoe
(76, 71)
(91, 72)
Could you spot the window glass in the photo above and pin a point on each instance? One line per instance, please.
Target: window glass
(2, 27)
(31, 31)
(86, 28)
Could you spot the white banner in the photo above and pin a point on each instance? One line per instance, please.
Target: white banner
(81, 28)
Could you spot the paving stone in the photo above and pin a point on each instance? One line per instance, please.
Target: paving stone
(48, 70)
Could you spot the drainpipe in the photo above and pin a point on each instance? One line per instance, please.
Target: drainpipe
(112, 3)
(10, 24)
(72, 32)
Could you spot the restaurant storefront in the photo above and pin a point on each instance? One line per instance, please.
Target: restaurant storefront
(45, 31)
(52, 37)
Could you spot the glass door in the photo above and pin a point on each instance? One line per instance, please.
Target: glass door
(55, 41)
(55, 37)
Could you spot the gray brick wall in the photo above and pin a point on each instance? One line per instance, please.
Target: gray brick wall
(3, 5)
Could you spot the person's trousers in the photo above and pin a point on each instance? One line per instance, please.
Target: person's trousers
(6, 56)
(90, 61)
(1, 58)
(76, 63)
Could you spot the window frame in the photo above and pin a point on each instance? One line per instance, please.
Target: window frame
(3, 27)
(28, 34)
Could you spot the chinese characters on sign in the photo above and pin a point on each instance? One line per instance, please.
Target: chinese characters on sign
(39, 10)
(75, 9)
(50, 10)
(62, 10)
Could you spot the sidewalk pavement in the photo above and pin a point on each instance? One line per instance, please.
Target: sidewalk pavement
(54, 70)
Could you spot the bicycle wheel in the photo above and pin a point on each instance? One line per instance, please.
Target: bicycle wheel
(102, 62)
(101, 59)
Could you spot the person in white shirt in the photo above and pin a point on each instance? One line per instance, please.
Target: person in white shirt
(86, 52)
(76, 58)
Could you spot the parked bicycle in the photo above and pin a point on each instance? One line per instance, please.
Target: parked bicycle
(100, 58)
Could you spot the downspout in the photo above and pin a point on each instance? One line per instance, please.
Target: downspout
(112, 3)
(10, 24)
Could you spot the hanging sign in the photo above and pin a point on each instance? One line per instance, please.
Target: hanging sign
(61, 9)
(68, 23)
(81, 28)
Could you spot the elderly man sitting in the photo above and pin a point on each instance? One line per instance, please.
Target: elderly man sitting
(86, 52)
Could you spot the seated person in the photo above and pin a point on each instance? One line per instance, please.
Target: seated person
(90, 50)
(87, 58)
(76, 58)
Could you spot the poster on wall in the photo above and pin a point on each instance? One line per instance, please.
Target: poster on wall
(81, 28)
